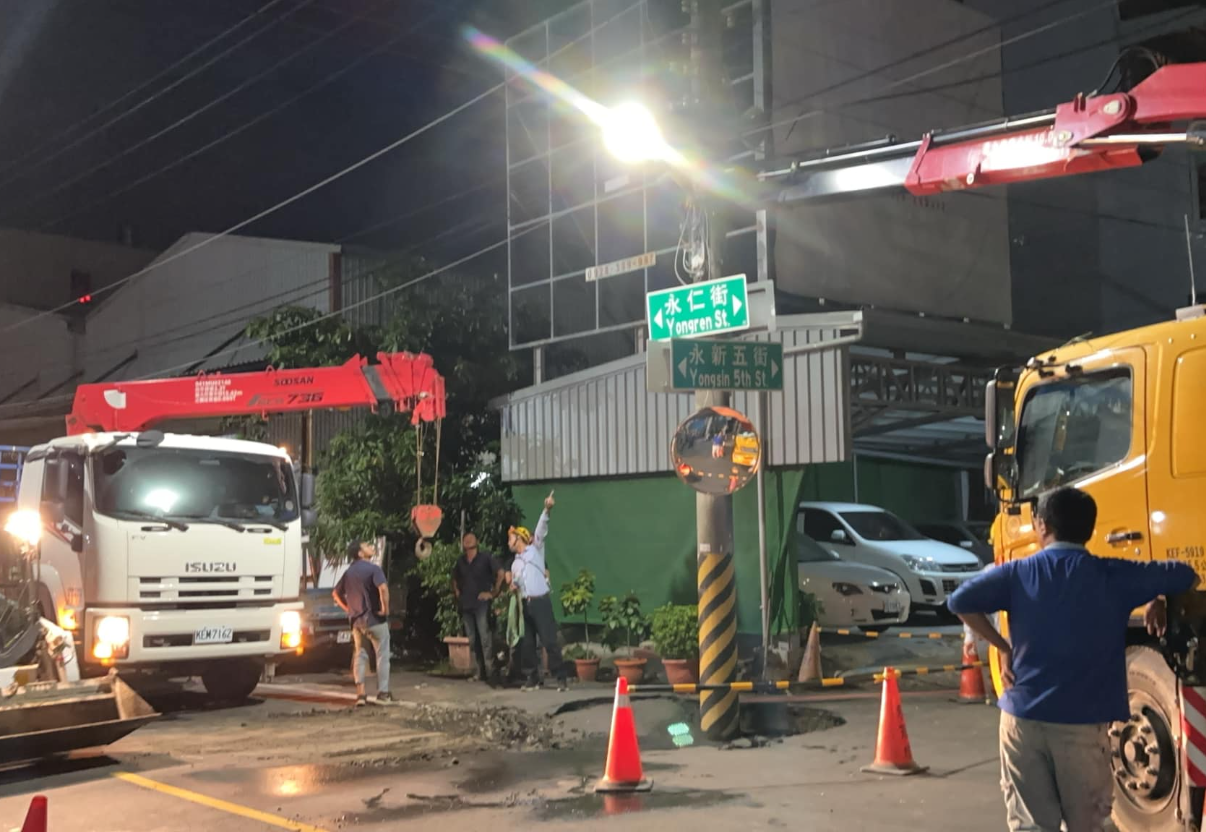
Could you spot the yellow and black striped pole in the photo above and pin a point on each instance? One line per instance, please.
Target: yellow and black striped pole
(718, 709)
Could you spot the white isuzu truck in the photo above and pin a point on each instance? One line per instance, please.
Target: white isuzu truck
(180, 555)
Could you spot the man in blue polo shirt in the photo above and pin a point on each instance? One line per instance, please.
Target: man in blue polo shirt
(1065, 671)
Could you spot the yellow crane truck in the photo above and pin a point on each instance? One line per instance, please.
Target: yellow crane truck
(1120, 416)
(1123, 417)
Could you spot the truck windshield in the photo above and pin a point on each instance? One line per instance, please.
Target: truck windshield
(194, 484)
(880, 525)
(1072, 428)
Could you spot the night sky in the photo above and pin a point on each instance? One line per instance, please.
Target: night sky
(62, 62)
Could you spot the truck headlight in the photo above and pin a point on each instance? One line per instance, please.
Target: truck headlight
(291, 630)
(26, 526)
(112, 638)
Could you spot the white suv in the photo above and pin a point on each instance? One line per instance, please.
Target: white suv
(930, 570)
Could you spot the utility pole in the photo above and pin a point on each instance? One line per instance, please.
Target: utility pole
(718, 713)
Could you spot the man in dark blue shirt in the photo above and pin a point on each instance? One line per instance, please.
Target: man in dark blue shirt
(363, 594)
(476, 582)
(1065, 671)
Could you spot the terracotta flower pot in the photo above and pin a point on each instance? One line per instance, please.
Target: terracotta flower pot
(632, 670)
(681, 671)
(458, 653)
(587, 669)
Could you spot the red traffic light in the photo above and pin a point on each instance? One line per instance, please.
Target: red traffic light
(84, 299)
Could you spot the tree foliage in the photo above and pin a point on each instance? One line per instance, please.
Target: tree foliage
(369, 479)
(298, 336)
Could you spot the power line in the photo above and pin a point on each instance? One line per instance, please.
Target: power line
(149, 99)
(262, 117)
(989, 76)
(372, 157)
(935, 48)
(226, 317)
(311, 189)
(206, 107)
(293, 295)
(363, 302)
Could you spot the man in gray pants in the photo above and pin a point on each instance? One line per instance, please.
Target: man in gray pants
(1065, 665)
(364, 595)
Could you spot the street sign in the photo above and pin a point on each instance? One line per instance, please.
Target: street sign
(726, 365)
(628, 264)
(698, 309)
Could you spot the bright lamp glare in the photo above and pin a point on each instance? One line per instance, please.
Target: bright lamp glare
(26, 526)
(113, 629)
(162, 499)
(631, 134)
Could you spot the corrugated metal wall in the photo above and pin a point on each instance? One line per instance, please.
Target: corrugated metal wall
(286, 429)
(604, 422)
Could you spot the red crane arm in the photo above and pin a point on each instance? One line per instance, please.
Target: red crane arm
(1085, 135)
(409, 381)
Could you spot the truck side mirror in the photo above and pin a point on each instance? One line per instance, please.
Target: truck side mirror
(990, 415)
(52, 510)
(1001, 472)
(309, 518)
(839, 536)
(307, 490)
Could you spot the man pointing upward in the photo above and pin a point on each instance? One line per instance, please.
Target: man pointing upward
(533, 587)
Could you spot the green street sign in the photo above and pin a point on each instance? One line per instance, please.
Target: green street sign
(726, 365)
(699, 309)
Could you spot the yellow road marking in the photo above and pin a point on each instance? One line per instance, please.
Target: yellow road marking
(214, 803)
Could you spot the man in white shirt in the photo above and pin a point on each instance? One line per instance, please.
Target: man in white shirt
(530, 581)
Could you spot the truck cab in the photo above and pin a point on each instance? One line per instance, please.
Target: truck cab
(172, 554)
(1120, 417)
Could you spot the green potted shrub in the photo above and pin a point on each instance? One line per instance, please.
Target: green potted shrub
(576, 598)
(623, 625)
(675, 632)
(435, 575)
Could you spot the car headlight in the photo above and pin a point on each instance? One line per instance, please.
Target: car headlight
(112, 638)
(291, 630)
(842, 588)
(919, 564)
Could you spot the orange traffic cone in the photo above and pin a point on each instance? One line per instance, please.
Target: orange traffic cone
(971, 680)
(892, 752)
(35, 820)
(810, 668)
(623, 772)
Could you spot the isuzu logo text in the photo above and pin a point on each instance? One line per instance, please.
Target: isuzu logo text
(214, 568)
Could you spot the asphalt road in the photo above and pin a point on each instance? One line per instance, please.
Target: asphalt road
(321, 767)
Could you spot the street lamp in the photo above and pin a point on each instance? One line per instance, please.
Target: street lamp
(631, 134)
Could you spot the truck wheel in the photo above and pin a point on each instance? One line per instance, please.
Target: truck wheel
(1144, 748)
(232, 682)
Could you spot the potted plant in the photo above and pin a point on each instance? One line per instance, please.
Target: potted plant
(435, 575)
(576, 598)
(675, 632)
(623, 624)
(586, 661)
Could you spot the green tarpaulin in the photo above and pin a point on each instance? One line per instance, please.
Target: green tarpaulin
(638, 534)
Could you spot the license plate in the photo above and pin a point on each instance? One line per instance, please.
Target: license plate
(892, 607)
(213, 635)
(343, 637)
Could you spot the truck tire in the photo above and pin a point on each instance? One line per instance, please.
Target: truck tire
(232, 682)
(1145, 760)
